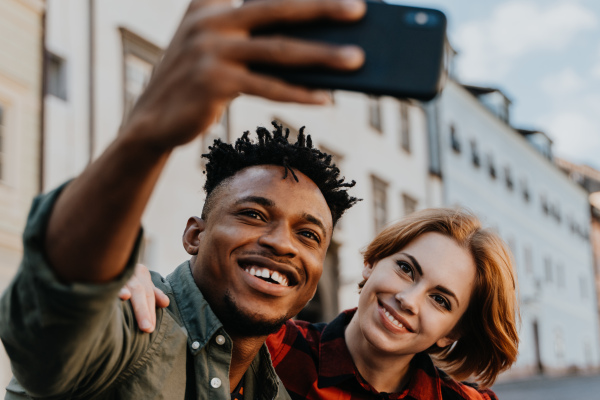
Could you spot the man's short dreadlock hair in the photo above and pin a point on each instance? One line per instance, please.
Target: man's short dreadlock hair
(225, 160)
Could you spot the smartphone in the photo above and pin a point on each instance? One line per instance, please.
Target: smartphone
(404, 48)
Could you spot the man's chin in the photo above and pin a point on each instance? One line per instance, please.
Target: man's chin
(245, 323)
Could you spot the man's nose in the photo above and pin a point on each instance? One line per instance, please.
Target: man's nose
(279, 239)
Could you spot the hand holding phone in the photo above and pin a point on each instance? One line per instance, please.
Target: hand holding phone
(404, 49)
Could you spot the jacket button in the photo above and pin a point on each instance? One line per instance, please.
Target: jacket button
(215, 382)
(220, 340)
(195, 345)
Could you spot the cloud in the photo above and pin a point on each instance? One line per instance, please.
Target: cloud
(576, 135)
(562, 83)
(490, 48)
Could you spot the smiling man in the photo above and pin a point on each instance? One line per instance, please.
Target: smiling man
(257, 249)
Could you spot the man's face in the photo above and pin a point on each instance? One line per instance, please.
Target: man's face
(260, 252)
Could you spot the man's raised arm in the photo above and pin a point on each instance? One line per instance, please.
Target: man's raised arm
(94, 223)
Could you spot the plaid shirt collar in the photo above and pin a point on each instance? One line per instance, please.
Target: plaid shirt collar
(336, 365)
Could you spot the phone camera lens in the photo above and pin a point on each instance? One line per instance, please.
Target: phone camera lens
(421, 18)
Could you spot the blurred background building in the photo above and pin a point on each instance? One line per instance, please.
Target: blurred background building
(457, 150)
(21, 72)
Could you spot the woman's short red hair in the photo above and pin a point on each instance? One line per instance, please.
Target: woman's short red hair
(488, 342)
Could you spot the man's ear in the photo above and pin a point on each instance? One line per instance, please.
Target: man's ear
(191, 236)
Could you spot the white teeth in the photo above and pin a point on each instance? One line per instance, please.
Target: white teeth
(276, 277)
(266, 273)
(392, 319)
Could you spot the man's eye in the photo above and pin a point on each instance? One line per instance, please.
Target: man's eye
(406, 268)
(442, 301)
(252, 214)
(311, 235)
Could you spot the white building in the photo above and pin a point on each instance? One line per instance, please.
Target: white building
(508, 178)
(21, 60)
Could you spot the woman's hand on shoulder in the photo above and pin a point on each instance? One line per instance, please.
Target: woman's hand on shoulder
(144, 297)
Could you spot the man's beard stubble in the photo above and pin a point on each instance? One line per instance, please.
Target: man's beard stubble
(243, 324)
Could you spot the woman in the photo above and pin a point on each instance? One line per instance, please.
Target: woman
(437, 305)
(436, 286)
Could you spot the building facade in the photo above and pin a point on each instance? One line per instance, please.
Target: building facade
(21, 60)
(508, 178)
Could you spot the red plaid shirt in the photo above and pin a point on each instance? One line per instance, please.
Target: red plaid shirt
(313, 362)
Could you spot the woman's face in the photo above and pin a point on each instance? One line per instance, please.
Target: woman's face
(414, 298)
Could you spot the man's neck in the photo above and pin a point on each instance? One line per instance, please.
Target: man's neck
(384, 372)
(244, 351)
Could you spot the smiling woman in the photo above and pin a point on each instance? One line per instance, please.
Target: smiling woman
(437, 303)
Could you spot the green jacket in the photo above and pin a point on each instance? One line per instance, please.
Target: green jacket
(79, 341)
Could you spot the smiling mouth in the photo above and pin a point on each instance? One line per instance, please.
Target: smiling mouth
(393, 320)
(267, 275)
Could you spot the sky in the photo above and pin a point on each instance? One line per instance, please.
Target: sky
(545, 57)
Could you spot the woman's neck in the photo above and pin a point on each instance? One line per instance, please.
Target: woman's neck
(384, 371)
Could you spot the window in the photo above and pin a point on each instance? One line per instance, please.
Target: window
(454, 140)
(56, 84)
(544, 203)
(528, 256)
(379, 203)
(525, 190)
(491, 166)
(374, 113)
(139, 58)
(409, 204)
(404, 126)
(2, 143)
(548, 269)
(508, 178)
(475, 154)
(583, 287)
(560, 276)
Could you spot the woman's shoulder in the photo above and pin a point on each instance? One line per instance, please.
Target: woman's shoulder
(454, 390)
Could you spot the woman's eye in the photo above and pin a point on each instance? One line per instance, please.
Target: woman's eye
(405, 267)
(441, 300)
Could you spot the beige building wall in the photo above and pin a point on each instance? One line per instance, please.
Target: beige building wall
(21, 35)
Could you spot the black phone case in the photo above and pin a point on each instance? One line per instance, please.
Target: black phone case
(404, 55)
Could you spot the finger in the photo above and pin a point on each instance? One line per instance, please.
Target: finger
(141, 310)
(124, 293)
(292, 52)
(240, 80)
(258, 13)
(162, 300)
(149, 292)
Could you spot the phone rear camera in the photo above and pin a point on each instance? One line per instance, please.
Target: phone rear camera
(421, 18)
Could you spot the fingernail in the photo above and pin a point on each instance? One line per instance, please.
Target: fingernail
(352, 55)
(353, 5)
(323, 97)
(122, 292)
(145, 325)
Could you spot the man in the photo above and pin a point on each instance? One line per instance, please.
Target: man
(257, 251)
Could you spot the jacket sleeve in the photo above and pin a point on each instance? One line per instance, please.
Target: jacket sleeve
(68, 340)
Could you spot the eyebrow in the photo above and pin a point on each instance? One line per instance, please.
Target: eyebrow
(440, 288)
(263, 201)
(314, 220)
